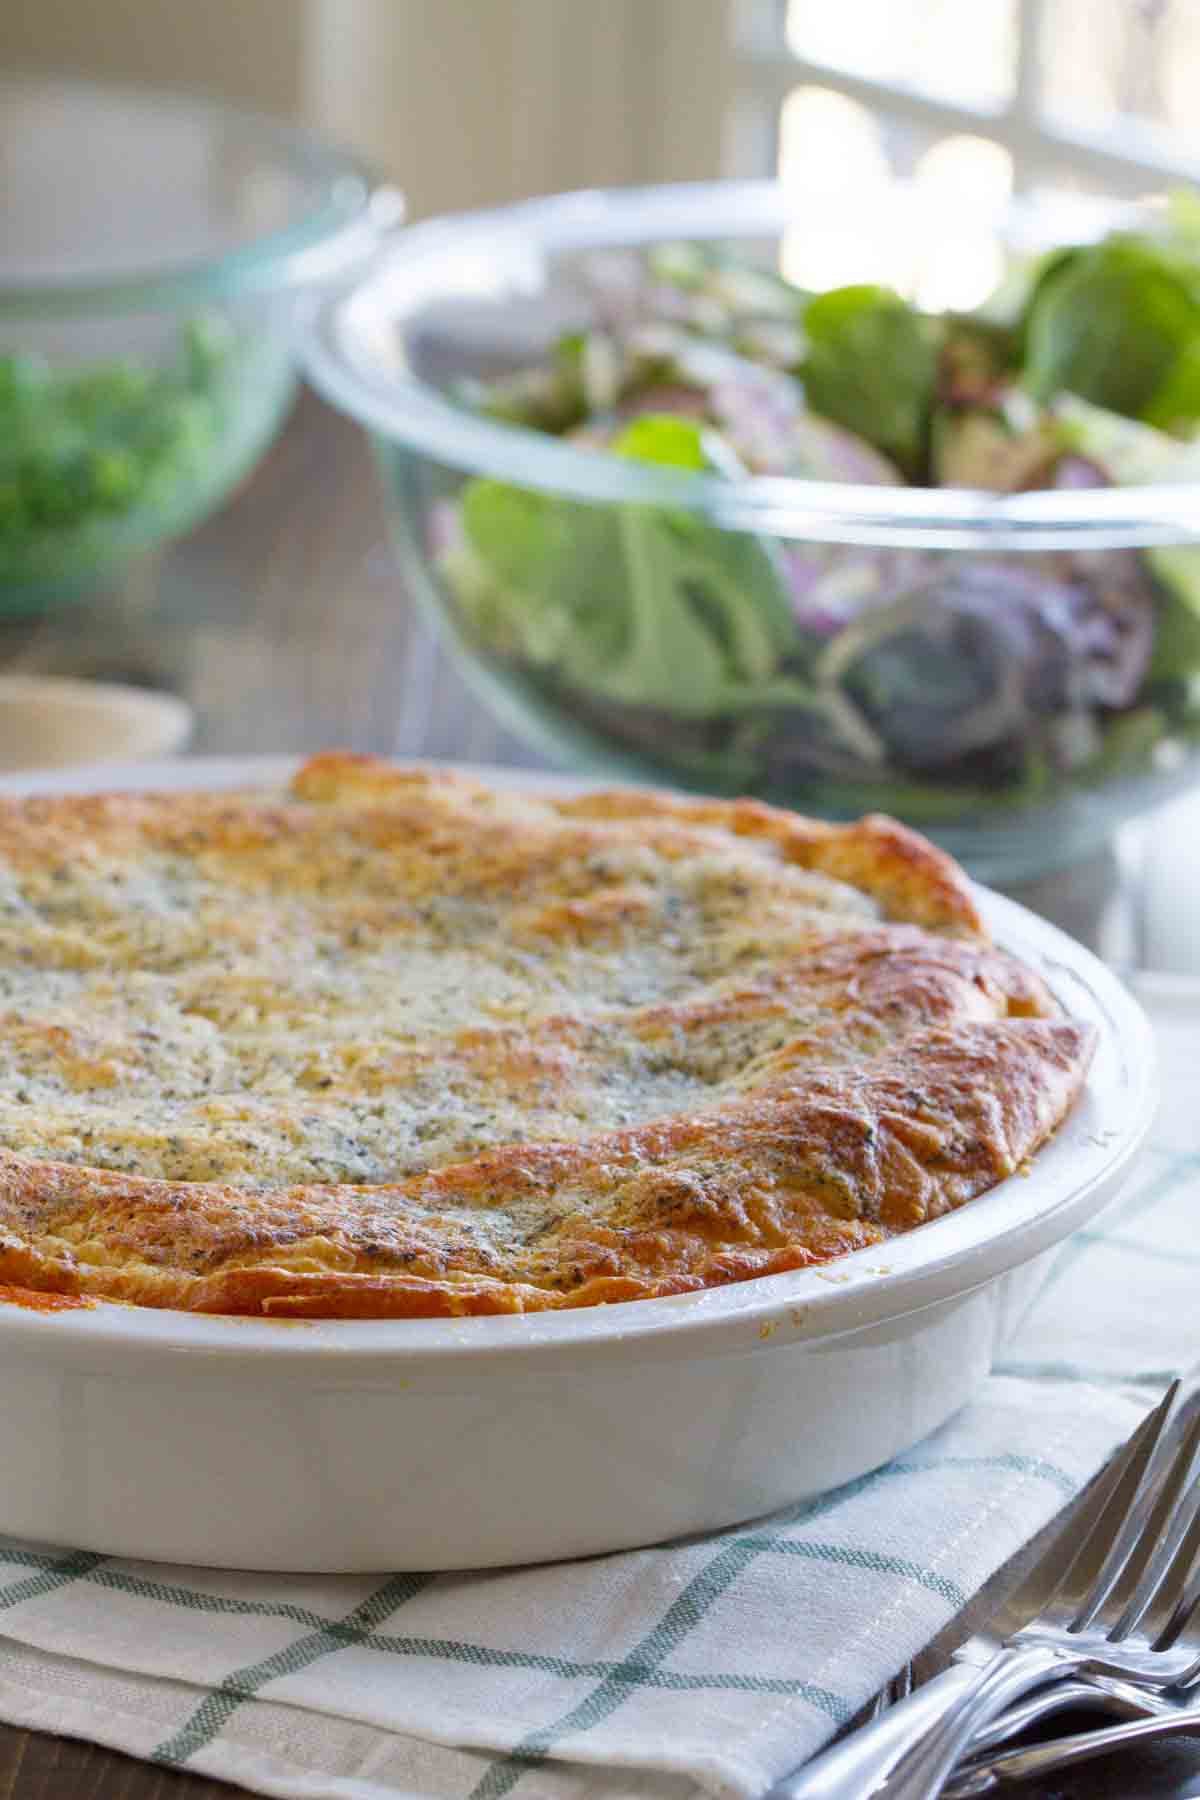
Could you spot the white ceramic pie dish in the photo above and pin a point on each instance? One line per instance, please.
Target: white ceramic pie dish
(423, 1444)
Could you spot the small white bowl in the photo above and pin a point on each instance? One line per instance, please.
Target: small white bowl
(47, 722)
(439, 1444)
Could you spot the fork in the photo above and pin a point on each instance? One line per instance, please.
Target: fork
(1122, 1701)
(1130, 1502)
(992, 1759)
(1124, 1607)
(995, 1769)
(897, 1689)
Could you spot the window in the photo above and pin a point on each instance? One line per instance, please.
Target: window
(973, 101)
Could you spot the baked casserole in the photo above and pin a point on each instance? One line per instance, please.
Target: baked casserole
(397, 1043)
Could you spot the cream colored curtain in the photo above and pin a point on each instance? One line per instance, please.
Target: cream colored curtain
(469, 102)
(253, 51)
(462, 102)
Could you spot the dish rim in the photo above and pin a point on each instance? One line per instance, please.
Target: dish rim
(349, 347)
(948, 1257)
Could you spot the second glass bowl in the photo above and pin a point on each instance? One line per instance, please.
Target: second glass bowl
(151, 248)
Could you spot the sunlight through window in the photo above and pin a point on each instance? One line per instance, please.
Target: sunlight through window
(831, 157)
(964, 50)
(970, 177)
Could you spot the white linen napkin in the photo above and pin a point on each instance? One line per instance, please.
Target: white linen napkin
(708, 1667)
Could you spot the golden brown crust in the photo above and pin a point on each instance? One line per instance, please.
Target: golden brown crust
(909, 876)
(400, 1044)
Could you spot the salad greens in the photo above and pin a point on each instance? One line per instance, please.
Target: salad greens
(1135, 454)
(871, 365)
(936, 684)
(1117, 325)
(706, 623)
(100, 457)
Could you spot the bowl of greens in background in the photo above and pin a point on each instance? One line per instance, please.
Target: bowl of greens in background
(687, 523)
(151, 249)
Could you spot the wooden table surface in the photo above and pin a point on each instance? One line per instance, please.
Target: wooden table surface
(284, 623)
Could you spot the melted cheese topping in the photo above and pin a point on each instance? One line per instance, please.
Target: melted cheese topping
(237, 1001)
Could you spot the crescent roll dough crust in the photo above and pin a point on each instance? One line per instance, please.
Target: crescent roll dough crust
(397, 1043)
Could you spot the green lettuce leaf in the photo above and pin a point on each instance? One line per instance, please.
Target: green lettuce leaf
(663, 438)
(645, 605)
(1131, 455)
(872, 366)
(1118, 324)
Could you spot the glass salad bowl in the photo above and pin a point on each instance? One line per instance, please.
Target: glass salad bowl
(686, 524)
(151, 249)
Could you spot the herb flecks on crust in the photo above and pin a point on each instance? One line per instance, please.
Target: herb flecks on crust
(397, 1043)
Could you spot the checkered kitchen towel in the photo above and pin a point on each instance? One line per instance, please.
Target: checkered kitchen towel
(708, 1667)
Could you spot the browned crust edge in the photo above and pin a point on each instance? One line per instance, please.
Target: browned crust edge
(913, 881)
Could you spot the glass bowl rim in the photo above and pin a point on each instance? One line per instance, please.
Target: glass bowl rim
(344, 340)
(351, 211)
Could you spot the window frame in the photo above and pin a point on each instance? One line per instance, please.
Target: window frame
(1127, 159)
